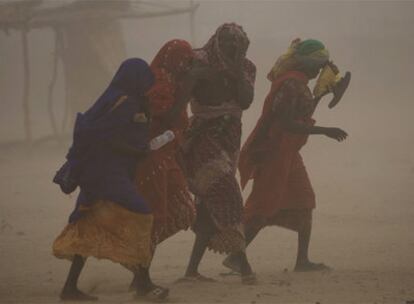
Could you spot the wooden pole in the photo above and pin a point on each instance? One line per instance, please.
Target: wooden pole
(192, 25)
(65, 63)
(52, 86)
(26, 88)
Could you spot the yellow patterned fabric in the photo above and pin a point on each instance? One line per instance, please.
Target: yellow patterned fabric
(309, 53)
(108, 231)
(285, 62)
(326, 81)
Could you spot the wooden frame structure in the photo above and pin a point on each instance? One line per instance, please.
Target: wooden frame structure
(26, 15)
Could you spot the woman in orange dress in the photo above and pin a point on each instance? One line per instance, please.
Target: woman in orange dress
(159, 177)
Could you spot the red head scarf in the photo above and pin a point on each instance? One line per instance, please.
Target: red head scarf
(172, 60)
(175, 57)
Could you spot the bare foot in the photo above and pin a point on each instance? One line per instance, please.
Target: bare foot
(195, 278)
(76, 295)
(309, 266)
(154, 294)
(249, 279)
(232, 263)
(133, 286)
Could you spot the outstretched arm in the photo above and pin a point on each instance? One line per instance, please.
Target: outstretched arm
(295, 126)
(301, 128)
(286, 104)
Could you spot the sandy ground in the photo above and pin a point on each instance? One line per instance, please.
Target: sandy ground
(363, 228)
(364, 221)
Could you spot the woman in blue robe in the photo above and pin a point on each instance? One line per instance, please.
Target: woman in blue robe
(111, 220)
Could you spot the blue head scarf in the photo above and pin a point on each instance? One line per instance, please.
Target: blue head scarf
(133, 78)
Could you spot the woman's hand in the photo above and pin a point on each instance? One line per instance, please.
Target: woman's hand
(336, 133)
(235, 67)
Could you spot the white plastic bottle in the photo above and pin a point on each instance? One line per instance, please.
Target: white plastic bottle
(161, 140)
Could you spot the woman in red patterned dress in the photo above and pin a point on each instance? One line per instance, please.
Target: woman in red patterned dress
(159, 177)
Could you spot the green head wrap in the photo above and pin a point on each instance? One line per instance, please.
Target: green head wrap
(312, 53)
(309, 53)
(309, 46)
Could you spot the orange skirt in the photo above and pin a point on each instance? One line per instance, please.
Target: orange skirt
(108, 231)
(288, 202)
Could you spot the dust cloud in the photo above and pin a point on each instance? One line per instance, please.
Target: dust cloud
(363, 224)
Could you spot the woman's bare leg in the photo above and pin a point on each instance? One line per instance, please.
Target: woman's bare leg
(70, 290)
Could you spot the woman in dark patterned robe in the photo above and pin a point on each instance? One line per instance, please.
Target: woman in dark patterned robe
(223, 84)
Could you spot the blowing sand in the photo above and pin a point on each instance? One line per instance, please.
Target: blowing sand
(364, 221)
(363, 228)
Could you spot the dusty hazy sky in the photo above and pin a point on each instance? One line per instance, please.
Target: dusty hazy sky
(372, 39)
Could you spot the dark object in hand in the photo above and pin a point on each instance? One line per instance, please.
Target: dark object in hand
(340, 89)
(66, 178)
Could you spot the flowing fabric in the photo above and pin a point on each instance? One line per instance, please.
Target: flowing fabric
(253, 144)
(281, 194)
(211, 149)
(103, 223)
(107, 231)
(159, 178)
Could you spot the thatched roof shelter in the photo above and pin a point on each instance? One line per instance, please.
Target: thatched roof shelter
(87, 34)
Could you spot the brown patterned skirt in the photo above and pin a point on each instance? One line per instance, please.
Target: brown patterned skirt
(210, 155)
